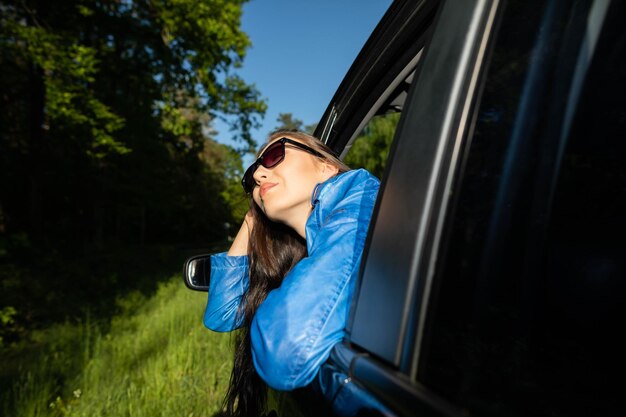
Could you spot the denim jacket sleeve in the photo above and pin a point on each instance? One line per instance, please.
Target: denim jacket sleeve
(229, 282)
(295, 328)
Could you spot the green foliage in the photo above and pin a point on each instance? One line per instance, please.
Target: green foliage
(371, 148)
(45, 288)
(204, 41)
(6, 315)
(233, 193)
(106, 140)
(154, 359)
(107, 162)
(7, 321)
(310, 128)
(288, 122)
(110, 111)
(67, 69)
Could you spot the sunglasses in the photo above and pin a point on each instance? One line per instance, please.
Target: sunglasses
(272, 156)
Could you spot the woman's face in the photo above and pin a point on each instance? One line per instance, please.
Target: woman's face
(284, 191)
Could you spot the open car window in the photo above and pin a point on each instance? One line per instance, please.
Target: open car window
(371, 147)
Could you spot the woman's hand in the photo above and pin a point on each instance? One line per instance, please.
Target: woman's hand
(240, 244)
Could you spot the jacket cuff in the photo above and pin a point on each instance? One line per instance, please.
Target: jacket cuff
(223, 261)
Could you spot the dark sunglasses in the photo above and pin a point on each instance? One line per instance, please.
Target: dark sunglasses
(272, 156)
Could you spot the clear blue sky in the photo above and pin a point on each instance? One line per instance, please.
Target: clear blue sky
(301, 50)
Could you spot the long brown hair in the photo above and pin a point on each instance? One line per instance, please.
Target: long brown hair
(273, 249)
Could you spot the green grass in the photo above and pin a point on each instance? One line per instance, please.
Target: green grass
(155, 359)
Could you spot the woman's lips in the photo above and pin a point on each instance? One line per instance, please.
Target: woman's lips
(265, 187)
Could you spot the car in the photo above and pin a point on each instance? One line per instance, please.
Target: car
(493, 281)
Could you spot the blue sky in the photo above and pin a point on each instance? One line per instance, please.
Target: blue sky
(301, 50)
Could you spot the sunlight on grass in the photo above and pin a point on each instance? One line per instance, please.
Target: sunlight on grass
(156, 360)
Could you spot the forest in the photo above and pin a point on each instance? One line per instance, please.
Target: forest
(109, 172)
(110, 176)
(108, 158)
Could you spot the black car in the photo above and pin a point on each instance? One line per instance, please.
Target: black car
(493, 281)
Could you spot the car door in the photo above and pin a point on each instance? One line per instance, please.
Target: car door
(493, 280)
(366, 107)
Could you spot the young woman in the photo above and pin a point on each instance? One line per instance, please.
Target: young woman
(289, 275)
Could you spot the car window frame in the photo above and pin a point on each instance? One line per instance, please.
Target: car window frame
(438, 109)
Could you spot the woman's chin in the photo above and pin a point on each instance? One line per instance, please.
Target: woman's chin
(273, 216)
(273, 213)
(267, 210)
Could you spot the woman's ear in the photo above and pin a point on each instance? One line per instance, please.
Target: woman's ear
(329, 170)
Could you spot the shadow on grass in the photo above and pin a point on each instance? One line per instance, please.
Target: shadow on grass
(69, 284)
(72, 292)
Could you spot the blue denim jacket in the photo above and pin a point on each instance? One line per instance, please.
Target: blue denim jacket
(297, 325)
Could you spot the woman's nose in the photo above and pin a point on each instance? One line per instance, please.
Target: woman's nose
(260, 174)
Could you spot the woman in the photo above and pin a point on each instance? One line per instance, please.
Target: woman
(289, 275)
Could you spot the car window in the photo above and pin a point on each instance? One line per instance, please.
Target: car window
(529, 293)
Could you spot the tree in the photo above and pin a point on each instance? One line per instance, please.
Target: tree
(106, 134)
(106, 99)
(371, 147)
(310, 128)
(286, 121)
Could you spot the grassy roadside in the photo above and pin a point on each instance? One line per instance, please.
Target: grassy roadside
(155, 359)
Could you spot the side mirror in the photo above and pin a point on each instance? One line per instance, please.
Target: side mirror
(197, 272)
